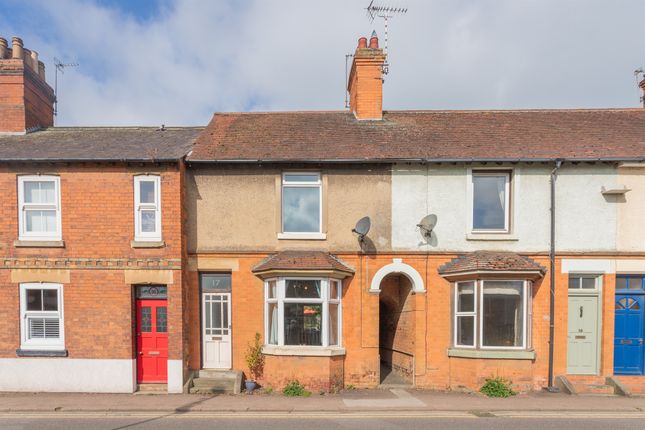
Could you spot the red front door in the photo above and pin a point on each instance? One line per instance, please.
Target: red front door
(152, 341)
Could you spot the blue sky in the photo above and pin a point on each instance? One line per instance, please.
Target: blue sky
(176, 62)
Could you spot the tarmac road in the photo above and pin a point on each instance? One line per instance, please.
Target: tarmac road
(323, 421)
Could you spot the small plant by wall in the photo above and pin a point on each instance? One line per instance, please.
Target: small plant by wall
(295, 389)
(255, 358)
(497, 387)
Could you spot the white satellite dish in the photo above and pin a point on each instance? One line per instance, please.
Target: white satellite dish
(426, 225)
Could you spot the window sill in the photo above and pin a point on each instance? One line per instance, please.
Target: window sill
(492, 354)
(147, 244)
(26, 243)
(303, 351)
(41, 353)
(302, 236)
(492, 236)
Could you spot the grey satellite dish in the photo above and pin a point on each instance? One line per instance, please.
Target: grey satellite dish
(427, 224)
(362, 227)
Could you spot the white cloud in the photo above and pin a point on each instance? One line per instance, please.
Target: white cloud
(204, 56)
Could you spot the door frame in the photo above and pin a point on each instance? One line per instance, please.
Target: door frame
(201, 313)
(597, 292)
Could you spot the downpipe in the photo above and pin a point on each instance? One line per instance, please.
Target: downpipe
(554, 175)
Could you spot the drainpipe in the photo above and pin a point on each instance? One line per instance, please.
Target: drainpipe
(554, 174)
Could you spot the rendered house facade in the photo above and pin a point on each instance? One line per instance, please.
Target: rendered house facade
(155, 256)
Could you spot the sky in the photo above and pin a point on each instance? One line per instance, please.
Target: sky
(176, 62)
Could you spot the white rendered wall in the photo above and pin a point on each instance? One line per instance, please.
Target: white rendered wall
(586, 220)
(175, 376)
(67, 375)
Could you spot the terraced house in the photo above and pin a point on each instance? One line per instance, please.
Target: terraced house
(498, 243)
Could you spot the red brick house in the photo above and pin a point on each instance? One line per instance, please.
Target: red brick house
(91, 280)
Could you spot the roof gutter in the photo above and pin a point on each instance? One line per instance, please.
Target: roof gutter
(420, 160)
(91, 160)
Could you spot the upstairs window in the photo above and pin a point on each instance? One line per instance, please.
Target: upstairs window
(41, 312)
(147, 208)
(491, 201)
(39, 208)
(301, 203)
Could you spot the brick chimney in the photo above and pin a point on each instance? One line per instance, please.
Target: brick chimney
(365, 84)
(26, 100)
(642, 85)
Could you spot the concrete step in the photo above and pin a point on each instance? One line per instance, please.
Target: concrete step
(632, 385)
(218, 374)
(595, 389)
(217, 381)
(152, 388)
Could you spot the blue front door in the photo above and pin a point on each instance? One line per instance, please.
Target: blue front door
(629, 331)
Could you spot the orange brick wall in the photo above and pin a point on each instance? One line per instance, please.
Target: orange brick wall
(432, 329)
(97, 202)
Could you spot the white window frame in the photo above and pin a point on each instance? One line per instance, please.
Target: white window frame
(41, 344)
(324, 299)
(301, 184)
(138, 207)
(507, 200)
(527, 307)
(25, 235)
(458, 314)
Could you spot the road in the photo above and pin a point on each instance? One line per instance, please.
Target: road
(354, 421)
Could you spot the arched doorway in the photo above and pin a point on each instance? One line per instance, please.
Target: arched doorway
(396, 330)
(396, 283)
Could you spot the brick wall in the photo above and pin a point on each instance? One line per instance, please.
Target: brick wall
(97, 202)
(432, 322)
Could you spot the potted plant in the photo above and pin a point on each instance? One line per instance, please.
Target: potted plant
(255, 363)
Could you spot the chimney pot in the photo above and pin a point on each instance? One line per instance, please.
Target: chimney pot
(34, 61)
(3, 48)
(374, 41)
(41, 70)
(362, 42)
(17, 50)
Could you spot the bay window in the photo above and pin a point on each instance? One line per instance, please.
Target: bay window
(303, 312)
(492, 314)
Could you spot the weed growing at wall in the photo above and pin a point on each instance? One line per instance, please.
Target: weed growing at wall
(497, 387)
(295, 389)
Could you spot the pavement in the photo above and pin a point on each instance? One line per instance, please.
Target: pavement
(411, 401)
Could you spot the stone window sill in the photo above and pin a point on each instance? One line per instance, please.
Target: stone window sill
(492, 236)
(39, 243)
(147, 244)
(492, 354)
(302, 236)
(303, 351)
(41, 353)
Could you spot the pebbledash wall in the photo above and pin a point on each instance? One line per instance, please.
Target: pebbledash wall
(98, 269)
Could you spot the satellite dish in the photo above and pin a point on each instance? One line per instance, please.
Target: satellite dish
(427, 224)
(362, 227)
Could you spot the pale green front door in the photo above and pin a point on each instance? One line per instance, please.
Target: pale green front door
(582, 351)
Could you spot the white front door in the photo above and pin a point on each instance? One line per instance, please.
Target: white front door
(582, 354)
(216, 333)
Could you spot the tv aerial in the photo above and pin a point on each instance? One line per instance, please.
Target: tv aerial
(426, 225)
(60, 67)
(362, 228)
(384, 12)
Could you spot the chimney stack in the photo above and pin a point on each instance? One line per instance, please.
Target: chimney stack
(642, 85)
(26, 100)
(365, 84)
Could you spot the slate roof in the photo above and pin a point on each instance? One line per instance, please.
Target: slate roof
(302, 260)
(144, 144)
(512, 135)
(491, 261)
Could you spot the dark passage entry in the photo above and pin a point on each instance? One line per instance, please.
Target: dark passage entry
(396, 330)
